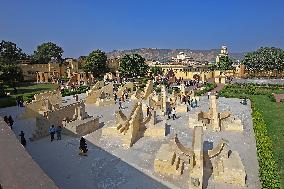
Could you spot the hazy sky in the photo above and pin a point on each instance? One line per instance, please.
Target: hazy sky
(82, 26)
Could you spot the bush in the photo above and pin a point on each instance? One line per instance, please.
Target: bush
(269, 174)
(145, 80)
(272, 97)
(245, 90)
(2, 91)
(7, 101)
(79, 90)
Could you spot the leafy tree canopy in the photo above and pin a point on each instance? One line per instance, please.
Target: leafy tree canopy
(47, 52)
(9, 56)
(265, 59)
(156, 70)
(10, 53)
(225, 63)
(96, 63)
(133, 65)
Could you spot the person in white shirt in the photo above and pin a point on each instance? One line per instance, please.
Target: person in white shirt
(174, 113)
(209, 93)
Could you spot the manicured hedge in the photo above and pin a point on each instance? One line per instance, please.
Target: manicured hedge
(269, 173)
(79, 90)
(246, 90)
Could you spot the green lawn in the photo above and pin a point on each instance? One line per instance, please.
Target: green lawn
(27, 90)
(272, 113)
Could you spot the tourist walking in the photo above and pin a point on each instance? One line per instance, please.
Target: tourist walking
(209, 93)
(58, 132)
(195, 102)
(191, 103)
(120, 103)
(188, 100)
(168, 112)
(122, 97)
(11, 121)
(23, 140)
(83, 147)
(52, 131)
(115, 97)
(183, 99)
(148, 110)
(174, 113)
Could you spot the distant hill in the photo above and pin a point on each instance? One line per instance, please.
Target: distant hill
(164, 55)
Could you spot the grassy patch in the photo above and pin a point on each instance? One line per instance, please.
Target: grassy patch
(27, 90)
(269, 129)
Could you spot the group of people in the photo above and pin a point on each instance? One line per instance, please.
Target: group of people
(52, 130)
(83, 145)
(190, 101)
(171, 112)
(121, 99)
(20, 102)
(187, 83)
(9, 120)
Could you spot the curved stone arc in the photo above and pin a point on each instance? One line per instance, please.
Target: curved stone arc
(185, 150)
(217, 150)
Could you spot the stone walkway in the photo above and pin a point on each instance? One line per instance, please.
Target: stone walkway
(279, 97)
(217, 89)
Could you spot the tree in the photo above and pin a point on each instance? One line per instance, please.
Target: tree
(47, 52)
(156, 70)
(10, 55)
(265, 59)
(96, 63)
(225, 63)
(133, 65)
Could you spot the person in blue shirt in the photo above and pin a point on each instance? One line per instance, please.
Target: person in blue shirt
(52, 132)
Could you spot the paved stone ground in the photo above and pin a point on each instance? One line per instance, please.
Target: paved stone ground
(109, 165)
(259, 81)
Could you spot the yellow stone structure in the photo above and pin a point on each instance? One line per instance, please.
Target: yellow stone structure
(220, 79)
(187, 71)
(128, 86)
(45, 101)
(131, 129)
(72, 118)
(100, 94)
(148, 89)
(173, 157)
(215, 120)
(52, 71)
(228, 168)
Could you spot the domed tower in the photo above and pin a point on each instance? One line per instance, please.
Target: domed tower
(223, 53)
